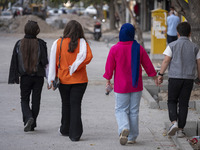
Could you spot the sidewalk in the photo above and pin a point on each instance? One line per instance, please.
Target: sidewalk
(100, 127)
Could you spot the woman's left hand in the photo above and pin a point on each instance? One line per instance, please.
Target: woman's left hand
(49, 86)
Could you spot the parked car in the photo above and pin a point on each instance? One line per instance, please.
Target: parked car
(53, 12)
(6, 15)
(90, 10)
(71, 11)
(62, 10)
(80, 10)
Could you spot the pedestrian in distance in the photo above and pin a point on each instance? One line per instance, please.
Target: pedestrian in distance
(173, 10)
(117, 19)
(29, 62)
(182, 57)
(68, 59)
(125, 60)
(172, 22)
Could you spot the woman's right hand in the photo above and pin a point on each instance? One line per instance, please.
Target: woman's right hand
(109, 87)
(108, 83)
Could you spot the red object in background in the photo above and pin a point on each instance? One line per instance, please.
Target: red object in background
(97, 23)
(136, 9)
(194, 141)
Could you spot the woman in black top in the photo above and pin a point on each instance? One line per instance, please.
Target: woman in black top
(29, 60)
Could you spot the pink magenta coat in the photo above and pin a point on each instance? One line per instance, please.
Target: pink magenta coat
(119, 63)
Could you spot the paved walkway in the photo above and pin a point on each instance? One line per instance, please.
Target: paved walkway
(100, 127)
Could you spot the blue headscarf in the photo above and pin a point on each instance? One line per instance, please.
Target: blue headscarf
(127, 33)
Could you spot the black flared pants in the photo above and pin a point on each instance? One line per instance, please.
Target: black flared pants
(31, 85)
(71, 122)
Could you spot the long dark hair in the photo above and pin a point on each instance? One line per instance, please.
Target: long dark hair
(29, 47)
(74, 31)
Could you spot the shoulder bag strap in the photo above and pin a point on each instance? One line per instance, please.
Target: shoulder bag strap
(60, 55)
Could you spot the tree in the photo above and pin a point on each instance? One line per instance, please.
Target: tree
(98, 5)
(121, 13)
(111, 15)
(190, 10)
(137, 27)
(4, 3)
(120, 10)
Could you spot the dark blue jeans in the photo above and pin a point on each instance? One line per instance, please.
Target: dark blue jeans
(31, 85)
(179, 91)
(171, 38)
(71, 122)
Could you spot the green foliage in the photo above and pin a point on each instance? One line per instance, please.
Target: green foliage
(75, 1)
(86, 2)
(58, 2)
(4, 3)
(92, 2)
(95, 2)
(7, 1)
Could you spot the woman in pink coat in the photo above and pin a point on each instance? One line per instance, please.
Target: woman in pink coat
(126, 60)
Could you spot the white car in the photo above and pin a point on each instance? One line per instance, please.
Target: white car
(53, 12)
(90, 10)
(6, 15)
(80, 10)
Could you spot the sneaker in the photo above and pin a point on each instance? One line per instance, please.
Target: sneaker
(123, 137)
(180, 134)
(173, 129)
(131, 142)
(28, 125)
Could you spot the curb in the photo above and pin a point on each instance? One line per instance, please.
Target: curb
(152, 103)
(194, 104)
(181, 143)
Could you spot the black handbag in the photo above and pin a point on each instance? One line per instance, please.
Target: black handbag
(56, 81)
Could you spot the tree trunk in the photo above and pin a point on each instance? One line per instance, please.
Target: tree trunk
(137, 27)
(99, 10)
(191, 12)
(112, 15)
(120, 11)
(123, 13)
(5, 4)
(117, 10)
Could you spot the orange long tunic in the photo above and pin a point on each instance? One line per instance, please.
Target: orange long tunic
(67, 59)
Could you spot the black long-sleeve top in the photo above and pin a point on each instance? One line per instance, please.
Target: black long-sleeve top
(14, 69)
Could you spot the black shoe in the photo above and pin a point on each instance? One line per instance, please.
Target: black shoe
(74, 139)
(28, 125)
(62, 133)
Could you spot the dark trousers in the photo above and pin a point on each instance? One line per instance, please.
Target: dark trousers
(71, 122)
(171, 38)
(31, 85)
(179, 91)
